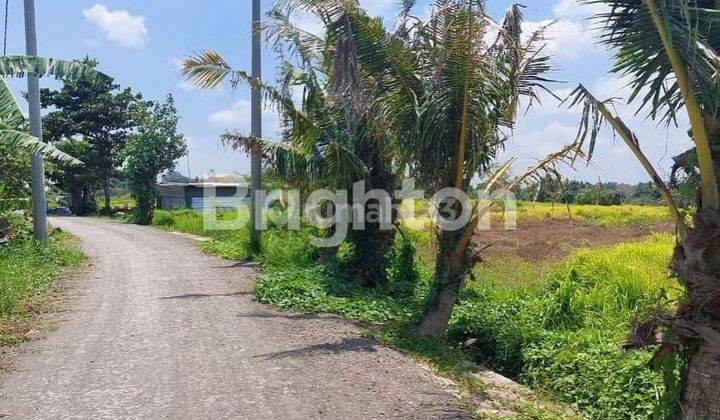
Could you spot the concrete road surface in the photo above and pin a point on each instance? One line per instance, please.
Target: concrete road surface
(161, 330)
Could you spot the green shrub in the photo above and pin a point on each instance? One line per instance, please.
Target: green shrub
(164, 219)
(564, 335)
(589, 369)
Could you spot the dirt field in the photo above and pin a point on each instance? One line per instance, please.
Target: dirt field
(554, 239)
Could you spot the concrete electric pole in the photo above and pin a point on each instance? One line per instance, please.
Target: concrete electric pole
(256, 126)
(37, 163)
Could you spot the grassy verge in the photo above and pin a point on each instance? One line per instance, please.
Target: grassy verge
(564, 335)
(27, 269)
(560, 334)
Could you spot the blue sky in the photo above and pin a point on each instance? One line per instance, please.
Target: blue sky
(139, 43)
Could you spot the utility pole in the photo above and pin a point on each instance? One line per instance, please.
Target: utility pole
(256, 128)
(37, 163)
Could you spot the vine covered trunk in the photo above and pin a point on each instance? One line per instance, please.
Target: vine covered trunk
(372, 248)
(451, 270)
(697, 322)
(373, 243)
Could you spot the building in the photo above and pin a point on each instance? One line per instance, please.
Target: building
(200, 196)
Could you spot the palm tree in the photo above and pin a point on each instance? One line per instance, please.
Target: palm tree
(669, 51)
(447, 94)
(329, 139)
(432, 96)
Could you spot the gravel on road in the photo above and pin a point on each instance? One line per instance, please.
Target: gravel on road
(161, 330)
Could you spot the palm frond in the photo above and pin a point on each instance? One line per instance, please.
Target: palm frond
(33, 145)
(20, 66)
(10, 113)
(595, 114)
(205, 69)
(640, 55)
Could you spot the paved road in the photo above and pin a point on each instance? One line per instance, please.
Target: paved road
(162, 331)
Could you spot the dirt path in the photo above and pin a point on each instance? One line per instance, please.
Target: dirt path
(163, 331)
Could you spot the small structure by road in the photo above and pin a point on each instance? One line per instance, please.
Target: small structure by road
(200, 196)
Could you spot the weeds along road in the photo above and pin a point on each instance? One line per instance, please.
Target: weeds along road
(161, 330)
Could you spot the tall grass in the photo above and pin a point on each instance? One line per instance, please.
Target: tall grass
(564, 335)
(624, 215)
(27, 267)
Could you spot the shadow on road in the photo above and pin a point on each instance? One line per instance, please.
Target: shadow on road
(239, 264)
(307, 316)
(203, 295)
(346, 345)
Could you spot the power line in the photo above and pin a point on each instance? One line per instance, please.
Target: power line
(7, 3)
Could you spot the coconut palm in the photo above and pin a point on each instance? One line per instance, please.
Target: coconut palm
(668, 49)
(448, 87)
(330, 139)
(434, 96)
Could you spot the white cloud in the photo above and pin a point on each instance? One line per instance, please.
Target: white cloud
(573, 9)
(378, 7)
(610, 86)
(571, 36)
(549, 105)
(308, 23)
(531, 144)
(187, 86)
(119, 25)
(237, 117)
(565, 39)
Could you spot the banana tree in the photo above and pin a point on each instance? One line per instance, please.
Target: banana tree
(13, 124)
(668, 49)
(14, 130)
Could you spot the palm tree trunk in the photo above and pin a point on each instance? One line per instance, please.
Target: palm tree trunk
(374, 243)
(701, 399)
(372, 247)
(696, 263)
(451, 271)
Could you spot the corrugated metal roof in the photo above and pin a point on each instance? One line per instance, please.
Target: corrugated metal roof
(177, 189)
(202, 184)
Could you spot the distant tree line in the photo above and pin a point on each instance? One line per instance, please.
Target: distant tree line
(550, 189)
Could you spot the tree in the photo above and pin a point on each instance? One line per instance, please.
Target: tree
(14, 135)
(154, 149)
(668, 49)
(15, 141)
(79, 182)
(331, 139)
(447, 94)
(98, 112)
(13, 124)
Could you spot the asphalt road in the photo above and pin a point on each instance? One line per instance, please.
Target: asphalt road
(161, 330)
